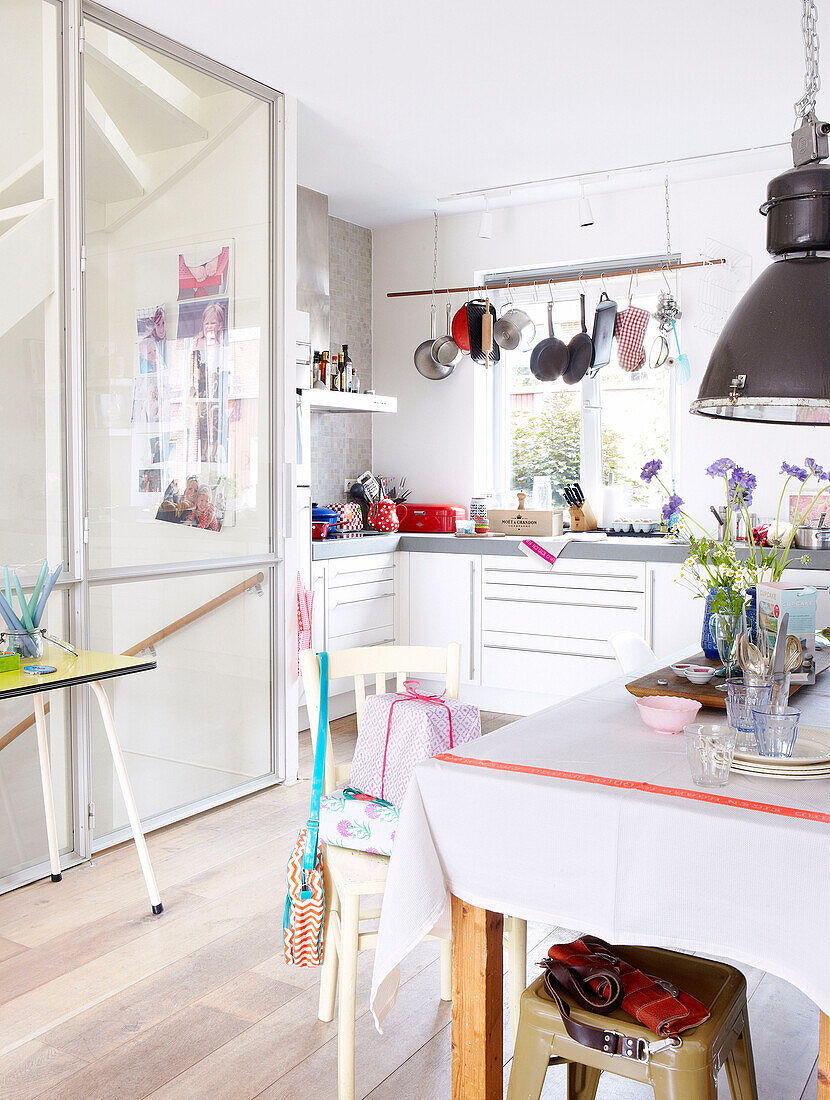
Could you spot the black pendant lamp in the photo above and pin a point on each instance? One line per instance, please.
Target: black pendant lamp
(771, 362)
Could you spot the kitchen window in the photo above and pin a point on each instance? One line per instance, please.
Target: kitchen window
(610, 424)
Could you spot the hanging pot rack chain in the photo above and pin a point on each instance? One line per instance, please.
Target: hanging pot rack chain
(513, 284)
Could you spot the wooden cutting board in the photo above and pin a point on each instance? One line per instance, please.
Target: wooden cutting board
(707, 694)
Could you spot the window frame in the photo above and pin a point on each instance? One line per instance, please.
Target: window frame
(618, 286)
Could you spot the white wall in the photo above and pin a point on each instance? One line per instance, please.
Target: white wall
(432, 439)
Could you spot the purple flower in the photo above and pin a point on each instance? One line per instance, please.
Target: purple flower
(720, 468)
(741, 486)
(345, 828)
(651, 469)
(794, 471)
(814, 468)
(672, 505)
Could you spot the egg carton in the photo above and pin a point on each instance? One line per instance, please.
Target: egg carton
(633, 527)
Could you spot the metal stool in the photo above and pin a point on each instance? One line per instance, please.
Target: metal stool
(686, 1072)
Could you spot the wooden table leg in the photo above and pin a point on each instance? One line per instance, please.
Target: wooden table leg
(824, 1058)
(477, 1010)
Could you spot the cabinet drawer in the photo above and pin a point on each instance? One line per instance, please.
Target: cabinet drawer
(361, 607)
(532, 670)
(572, 614)
(616, 576)
(350, 571)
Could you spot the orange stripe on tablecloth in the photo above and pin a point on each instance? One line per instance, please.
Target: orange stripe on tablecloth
(633, 785)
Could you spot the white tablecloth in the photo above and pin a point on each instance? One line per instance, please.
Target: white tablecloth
(630, 865)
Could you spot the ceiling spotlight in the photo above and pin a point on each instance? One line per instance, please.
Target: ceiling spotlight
(485, 226)
(586, 214)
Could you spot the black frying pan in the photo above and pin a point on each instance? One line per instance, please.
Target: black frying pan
(580, 352)
(549, 358)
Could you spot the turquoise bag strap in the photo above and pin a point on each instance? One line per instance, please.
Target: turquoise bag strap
(313, 824)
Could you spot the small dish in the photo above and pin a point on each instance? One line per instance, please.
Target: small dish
(698, 674)
(680, 668)
(667, 714)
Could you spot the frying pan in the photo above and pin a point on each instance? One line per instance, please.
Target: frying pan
(475, 326)
(604, 318)
(461, 329)
(549, 358)
(424, 362)
(445, 351)
(580, 352)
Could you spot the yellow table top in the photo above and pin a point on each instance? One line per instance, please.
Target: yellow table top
(83, 669)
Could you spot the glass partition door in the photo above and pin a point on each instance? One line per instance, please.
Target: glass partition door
(32, 405)
(178, 171)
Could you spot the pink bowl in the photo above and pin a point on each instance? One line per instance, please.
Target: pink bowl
(667, 713)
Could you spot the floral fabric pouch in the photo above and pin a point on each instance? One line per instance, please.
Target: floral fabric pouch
(351, 819)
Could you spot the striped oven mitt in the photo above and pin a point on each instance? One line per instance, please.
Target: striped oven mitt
(303, 918)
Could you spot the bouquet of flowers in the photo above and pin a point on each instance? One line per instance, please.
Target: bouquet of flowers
(714, 566)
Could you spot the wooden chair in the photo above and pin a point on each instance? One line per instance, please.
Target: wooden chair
(349, 875)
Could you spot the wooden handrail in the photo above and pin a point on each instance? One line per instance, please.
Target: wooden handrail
(146, 643)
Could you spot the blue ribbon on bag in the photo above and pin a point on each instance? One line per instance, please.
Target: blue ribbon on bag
(313, 823)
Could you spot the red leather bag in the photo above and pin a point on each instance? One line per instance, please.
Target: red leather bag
(598, 979)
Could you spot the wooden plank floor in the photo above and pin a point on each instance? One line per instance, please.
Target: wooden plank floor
(101, 1001)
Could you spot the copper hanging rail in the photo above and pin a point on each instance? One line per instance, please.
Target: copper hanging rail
(147, 643)
(511, 285)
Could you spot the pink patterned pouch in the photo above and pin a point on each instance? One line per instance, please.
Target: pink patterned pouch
(350, 819)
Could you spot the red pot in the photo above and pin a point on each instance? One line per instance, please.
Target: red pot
(320, 530)
(461, 329)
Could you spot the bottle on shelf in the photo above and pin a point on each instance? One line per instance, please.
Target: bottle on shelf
(324, 369)
(335, 372)
(342, 379)
(346, 359)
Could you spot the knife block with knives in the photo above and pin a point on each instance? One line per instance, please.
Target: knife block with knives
(582, 514)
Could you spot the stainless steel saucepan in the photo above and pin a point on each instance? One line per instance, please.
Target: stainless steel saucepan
(514, 329)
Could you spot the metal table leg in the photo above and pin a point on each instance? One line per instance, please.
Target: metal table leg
(46, 782)
(127, 792)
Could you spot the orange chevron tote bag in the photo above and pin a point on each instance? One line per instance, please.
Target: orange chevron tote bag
(305, 900)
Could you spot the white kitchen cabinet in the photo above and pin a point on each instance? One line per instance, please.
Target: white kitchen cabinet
(675, 614)
(444, 597)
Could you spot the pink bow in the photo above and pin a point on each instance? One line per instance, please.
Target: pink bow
(409, 693)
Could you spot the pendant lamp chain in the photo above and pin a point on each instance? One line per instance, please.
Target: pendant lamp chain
(806, 106)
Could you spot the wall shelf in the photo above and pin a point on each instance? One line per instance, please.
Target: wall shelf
(331, 401)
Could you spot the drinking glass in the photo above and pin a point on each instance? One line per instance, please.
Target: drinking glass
(741, 698)
(780, 698)
(726, 627)
(542, 498)
(709, 750)
(776, 730)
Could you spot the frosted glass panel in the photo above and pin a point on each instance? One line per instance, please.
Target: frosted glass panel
(31, 316)
(199, 723)
(178, 290)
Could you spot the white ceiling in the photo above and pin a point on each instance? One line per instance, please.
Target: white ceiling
(403, 102)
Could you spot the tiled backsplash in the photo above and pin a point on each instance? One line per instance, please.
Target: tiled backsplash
(341, 443)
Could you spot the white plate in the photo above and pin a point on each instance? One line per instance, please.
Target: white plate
(817, 771)
(812, 746)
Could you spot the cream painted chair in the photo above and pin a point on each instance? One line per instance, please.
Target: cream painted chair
(632, 651)
(350, 876)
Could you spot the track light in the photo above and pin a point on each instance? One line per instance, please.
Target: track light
(485, 225)
(586, 214)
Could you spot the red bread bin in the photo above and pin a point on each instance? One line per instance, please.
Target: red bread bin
(431, 519)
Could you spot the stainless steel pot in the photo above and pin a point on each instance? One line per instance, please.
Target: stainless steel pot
(812, 538)
(424, 362)
(514, 329)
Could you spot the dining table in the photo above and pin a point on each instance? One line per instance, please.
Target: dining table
(581, 816)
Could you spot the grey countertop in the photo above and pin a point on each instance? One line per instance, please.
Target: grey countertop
(614, 548)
